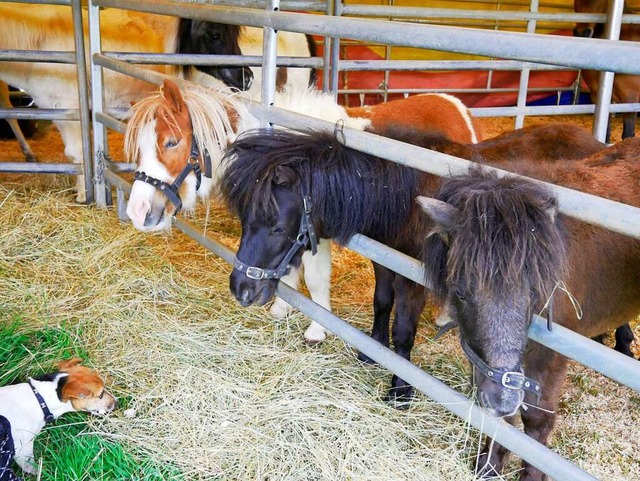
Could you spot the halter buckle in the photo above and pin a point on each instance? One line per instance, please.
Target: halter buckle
(255, 273)
(513, 380)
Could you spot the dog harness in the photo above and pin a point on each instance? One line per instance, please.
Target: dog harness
(7, 451)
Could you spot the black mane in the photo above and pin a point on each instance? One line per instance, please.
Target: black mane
(351, 191)
(504, 236)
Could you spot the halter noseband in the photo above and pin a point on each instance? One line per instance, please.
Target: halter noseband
(515, 380)
(306, 235)
(171, 191)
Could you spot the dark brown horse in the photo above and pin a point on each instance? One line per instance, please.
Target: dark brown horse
(626, 88)
(268, 173)
(497, 252)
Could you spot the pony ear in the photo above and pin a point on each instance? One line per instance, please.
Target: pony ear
(441, 213)
(285, 176)
(171, 92)
(550, 207)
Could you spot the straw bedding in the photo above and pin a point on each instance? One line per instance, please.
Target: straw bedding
(228, 393)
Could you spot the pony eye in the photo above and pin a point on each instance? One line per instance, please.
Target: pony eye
(170, 143)
(279, 229)
(460, 295)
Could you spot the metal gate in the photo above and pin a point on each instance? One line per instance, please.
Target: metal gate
(522, 50)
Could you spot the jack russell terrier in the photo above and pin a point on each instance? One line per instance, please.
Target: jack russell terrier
(25, 409)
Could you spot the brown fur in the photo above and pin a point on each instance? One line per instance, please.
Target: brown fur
(84, 387)
(432, 112)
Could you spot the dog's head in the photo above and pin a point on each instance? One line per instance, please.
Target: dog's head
(84, 388)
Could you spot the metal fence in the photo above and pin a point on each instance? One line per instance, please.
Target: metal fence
(523, 50)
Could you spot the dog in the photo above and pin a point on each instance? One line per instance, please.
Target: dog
(25, 409)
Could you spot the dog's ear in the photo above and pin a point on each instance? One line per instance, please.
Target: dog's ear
(64, 366)
(75, 389)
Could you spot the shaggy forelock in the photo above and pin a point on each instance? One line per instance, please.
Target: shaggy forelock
(504, 239)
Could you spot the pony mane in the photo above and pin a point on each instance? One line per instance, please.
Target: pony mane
(504, 237)
(351, 191)
(214, 117)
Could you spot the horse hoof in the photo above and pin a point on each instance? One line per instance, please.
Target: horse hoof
(280, 309)
(400, 397)
(484, 469)
(31, 158)
(315, 334)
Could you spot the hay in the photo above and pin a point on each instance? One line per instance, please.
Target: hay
(229, 393)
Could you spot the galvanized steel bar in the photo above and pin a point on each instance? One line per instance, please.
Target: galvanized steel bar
(57, 56)
(598, 54)
(326, 51)
(29, 113)
(335, 52)
(511, 438)
(605, 83)
(83, 98)
(199, 59)
(269, 55)
(40, 168)
(97, 98)
(614, 365)
(110, 122)
(524, 73)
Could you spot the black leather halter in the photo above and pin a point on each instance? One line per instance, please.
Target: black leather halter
(48, 416)
(306, 236)
(515, 380)
(171, 191)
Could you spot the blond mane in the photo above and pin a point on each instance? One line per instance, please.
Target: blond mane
(215, 118)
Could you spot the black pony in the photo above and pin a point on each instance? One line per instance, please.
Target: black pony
(202, 37)
(272, 178)
(499, 253)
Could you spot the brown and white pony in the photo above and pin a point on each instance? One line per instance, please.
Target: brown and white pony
(626, 88)
(50, 27)
(167, 127)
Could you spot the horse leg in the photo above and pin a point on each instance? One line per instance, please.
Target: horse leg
(548, 368)
(411, 299)
(71, 134)
(629, 124)
(493, 457)
(5, 102)
(317, 277)
(383, 297)
(624, 338)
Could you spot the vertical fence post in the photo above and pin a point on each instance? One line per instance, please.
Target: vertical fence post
(524, 74)
(97, 99)
(269, 61)
(83, 96)
(605, 84)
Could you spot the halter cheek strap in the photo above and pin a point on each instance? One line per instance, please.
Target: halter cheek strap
(515, 380)
(48, 416)
(171, 191)
(306, 236)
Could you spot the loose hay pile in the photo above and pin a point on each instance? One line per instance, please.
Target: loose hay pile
(228, 393)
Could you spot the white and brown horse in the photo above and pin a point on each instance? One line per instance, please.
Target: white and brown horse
(50, 28)
(169, 130)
